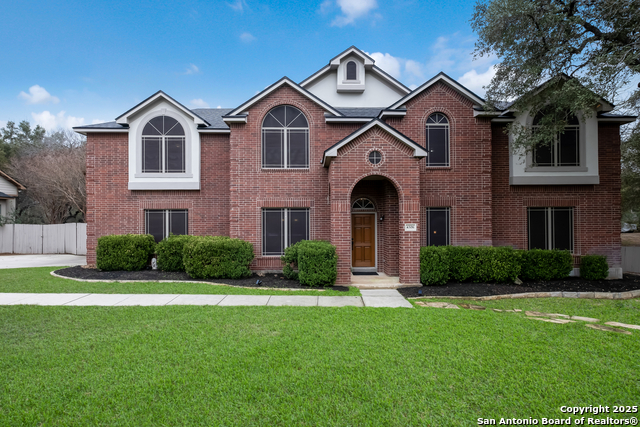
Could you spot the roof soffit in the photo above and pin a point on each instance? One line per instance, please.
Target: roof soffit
(154, 99)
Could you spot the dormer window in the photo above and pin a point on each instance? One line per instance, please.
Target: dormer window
(352, 71)
(563, 150)
(163, 146)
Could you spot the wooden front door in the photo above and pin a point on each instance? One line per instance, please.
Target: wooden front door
(363, 234)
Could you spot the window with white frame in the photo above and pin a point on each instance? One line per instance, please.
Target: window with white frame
(282, 228)
(163, 146)
(285, 139)
(437, 140)
(564, 149)
(162, 222)
(550, 228)
(438, 226)
(352, 70)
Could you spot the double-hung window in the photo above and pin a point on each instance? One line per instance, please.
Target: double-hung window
(437, 140)
(563, 150)
(163, 146)
(438, 226)
(282, 228)
(285, 139)
(550, 228)
(161, 223)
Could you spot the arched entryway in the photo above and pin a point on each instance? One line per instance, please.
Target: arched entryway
(375, 226)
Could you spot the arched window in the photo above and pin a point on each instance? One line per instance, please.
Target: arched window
(352, 71)
(362, 204)
(163, 146)
(564, 150)
(437, 140)
(285, 138)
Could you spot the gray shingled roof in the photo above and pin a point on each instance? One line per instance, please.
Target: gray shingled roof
(213, 116)
(360, 112)
(107, 125)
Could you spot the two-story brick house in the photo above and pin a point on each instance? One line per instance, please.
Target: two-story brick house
(352, 156)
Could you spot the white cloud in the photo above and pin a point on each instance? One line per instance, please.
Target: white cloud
(219, 106)
(388, 63)
(238, 5)
(198, 103)
(38, 95)
(414, 68)
(3, 123)
(96, 121)
(352, 10)
(192, 69)
(247, 37)
(475, 82)
(50, 121)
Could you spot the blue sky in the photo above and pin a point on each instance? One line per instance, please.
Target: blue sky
(74, 62)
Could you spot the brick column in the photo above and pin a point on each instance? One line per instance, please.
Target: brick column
(341, 238)
(409, 242)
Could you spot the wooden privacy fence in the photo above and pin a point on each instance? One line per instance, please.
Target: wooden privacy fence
(44, 239)
(631, 259)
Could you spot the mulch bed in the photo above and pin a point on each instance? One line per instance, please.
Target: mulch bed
(629, 282)
(268, 280)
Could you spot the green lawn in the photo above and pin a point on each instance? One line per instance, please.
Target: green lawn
(39, 280)
(290, 366)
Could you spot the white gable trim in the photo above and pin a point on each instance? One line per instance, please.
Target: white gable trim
(442, 77)
(272, 88)
(332, 152)
(366, 59)
(124, 118)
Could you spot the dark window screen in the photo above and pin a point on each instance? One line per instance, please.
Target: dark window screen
(151, 154)
(437, 226)
(351, 70)
(298, 155)
(437, 146)
(174, 155)
(273, 231)
(178, 222)
(272, 154)
(568, 154)
(562, 228)
(538, 228)
(543, 155)
(298, 225)
(155, 224)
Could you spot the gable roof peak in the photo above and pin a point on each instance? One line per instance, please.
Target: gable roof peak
(335, 61)
(123, 119)
(440, 77)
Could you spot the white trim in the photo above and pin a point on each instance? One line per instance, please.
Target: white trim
(347, 119)
(214, 130)
(124, 119)
(554, 180)
(277, 85)
(333, 151)
(236, 119)
(380, 72)
(440, 77)
(173, 185)
(84, 131)
(375, 239)
(394, 113)
(315, 76)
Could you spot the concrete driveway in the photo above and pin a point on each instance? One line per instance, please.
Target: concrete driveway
(41, 260)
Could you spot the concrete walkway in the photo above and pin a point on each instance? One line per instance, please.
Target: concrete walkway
(370, 298)
(41, 260)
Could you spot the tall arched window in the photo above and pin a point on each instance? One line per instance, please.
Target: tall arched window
(437, 140)
(564, 149)
(163, 146)
(352, 73)
(285, 138)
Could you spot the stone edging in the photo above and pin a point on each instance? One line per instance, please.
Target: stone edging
(183, 281)
(587, 295)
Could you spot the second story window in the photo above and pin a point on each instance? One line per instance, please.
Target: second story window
(437, 140)
(352, 73)
(285, 139)
(563, 150)
(163, 146)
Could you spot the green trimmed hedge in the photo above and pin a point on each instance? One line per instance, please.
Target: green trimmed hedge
(316, 260)
(463, 262)
(434, 265)
(542, 264)
(594, 267)
(217, 257)
(170, 252)
(127, 252)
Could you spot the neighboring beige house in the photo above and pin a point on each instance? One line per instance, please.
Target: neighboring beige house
(9, 188)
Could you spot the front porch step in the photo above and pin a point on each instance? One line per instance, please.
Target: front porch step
(381, 281)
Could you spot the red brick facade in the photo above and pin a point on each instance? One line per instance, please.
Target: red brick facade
(485, 209)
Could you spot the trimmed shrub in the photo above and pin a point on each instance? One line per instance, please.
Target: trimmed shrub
(290, 257)
(463, 262)
(217, 257)
(543, 264)
(317, 263)
(124, 252)
(170, 252)
(434, 265)
(594, 267)
(500, 264)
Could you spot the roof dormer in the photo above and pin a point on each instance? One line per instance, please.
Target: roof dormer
(351, 72)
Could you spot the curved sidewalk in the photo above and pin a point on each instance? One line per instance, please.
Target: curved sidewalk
(369, 298)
